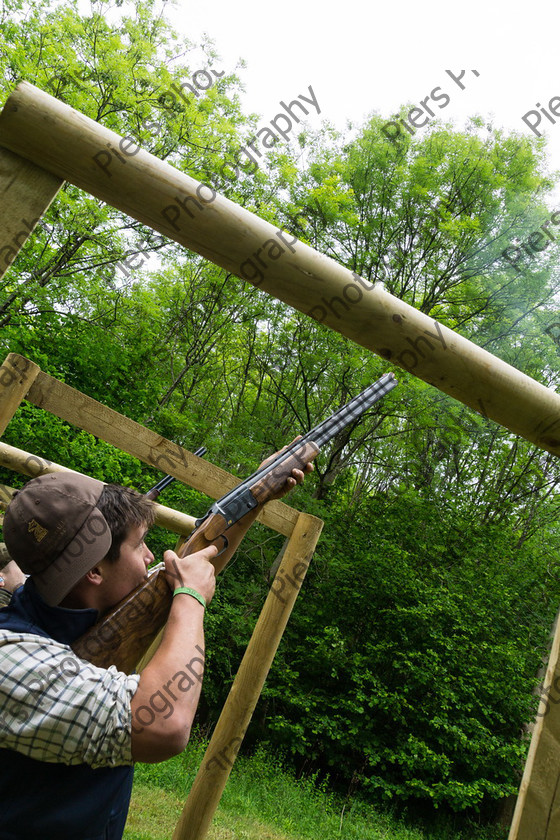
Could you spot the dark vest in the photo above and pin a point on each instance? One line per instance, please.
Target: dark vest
(56, 801)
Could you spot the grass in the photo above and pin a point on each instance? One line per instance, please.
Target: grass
(262, 801)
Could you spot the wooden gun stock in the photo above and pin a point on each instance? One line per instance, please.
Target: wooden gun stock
(123, 636)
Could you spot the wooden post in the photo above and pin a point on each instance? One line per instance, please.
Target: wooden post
(216, 765)
(106, 423)
(26, 191)
(68, 144)
(537, 810)
(16, 377)
(32, 465)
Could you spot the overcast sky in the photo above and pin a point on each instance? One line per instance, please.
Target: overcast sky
(361, 58)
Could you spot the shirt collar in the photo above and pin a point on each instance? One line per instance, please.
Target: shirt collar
(62, 624)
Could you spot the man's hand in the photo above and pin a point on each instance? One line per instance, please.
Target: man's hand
(162, 717)
(297, 476)
(195, 571)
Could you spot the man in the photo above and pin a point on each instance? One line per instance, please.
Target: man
(11, 576)
(71, 732)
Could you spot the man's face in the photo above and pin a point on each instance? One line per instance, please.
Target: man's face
(129, 570)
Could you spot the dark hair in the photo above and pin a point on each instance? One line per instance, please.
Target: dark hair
(124, 508)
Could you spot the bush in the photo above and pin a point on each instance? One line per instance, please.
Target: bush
(408, 666)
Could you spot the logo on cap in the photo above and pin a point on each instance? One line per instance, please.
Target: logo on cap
(37, 530)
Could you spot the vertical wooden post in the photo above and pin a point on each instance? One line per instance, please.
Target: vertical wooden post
(17, 374)
(214, 771)
(537, 810)
(26, 191)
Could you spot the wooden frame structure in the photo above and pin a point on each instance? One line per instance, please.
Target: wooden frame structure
(44, 142)
(20, 379)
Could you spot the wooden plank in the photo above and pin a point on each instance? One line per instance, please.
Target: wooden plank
(16, 377)
(236, 714)
(105, 423)
(72, 146)
(31, 465)
(26, 190)
(537, 810)
(6, 495)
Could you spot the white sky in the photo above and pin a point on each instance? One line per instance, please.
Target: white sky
(360, 58)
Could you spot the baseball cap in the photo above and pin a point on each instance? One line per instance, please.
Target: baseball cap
(55, 532)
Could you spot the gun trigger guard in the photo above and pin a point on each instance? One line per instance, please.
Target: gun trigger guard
(226, 543)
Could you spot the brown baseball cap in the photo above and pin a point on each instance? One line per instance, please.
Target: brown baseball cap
(55, 532)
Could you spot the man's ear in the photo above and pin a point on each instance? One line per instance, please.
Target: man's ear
(95, 575)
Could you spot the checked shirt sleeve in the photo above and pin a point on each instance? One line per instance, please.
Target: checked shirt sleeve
(55, 707)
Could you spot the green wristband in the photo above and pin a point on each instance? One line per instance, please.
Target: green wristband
(188, 591)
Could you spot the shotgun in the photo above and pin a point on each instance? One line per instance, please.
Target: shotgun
(122, 636)
(154, 491)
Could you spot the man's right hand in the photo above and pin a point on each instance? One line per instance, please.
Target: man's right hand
(195, 571)
(164, 704)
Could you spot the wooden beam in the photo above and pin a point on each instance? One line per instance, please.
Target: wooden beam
(31, 465)
(236, 714)
(70, 145)
(537, 810)
(16, 376)
(26, 190)
(6, 495)
(114, 428)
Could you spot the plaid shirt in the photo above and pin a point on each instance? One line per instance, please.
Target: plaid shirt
(55, 707)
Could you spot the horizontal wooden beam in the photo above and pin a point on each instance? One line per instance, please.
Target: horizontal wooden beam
(31, 465)
(146, 445)
(71, 146)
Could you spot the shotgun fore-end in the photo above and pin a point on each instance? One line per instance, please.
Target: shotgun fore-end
(271, 483)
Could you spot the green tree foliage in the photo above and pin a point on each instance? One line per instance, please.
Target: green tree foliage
(409, 664)
(121, 74)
